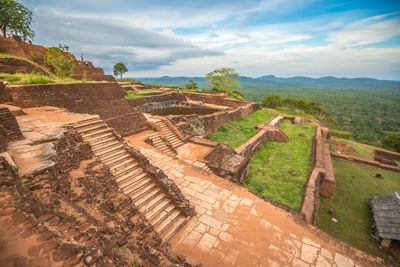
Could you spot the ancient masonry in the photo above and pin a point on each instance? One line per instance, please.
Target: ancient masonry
(146, 194)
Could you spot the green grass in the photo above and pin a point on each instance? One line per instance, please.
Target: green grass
(362, 150)
(279, 171)
(6, 55)
(32, 78)
(355, 185)
(236, 133)
(133, 94)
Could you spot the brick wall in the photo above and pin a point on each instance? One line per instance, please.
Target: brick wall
(386, 157)
(217, 100)
(9, 128)
(104, 99)
(14, 65)
(135, 102)
(4, 94)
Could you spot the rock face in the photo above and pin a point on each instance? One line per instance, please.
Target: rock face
(9, 129)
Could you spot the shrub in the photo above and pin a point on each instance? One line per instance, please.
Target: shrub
(60, 60)
(392, 141)
(341, 134)
(37, 79)
(13, 78)
(272, 101)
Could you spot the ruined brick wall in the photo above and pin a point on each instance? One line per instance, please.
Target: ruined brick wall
(217, 100)
(367, 162)
(15, 65)
(254, 144)
(9, 125)
(105, 99)
(210, 123)
(135, 102)
(4, 94)
(36, 53)
(322, 179)
(386, 157)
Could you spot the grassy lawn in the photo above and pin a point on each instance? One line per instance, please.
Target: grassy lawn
(133, 94)
(355, 185)
(236, 133)
(362, 150)
(279, 171)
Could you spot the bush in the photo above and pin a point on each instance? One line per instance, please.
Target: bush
(60, 60)
(272, 101)
(37, 79)
(392, 141)
(13, 78)
(236, 95)
(341, 134)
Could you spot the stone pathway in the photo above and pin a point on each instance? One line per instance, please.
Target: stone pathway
(235, 227)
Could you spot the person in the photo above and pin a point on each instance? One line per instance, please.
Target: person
(197, 90)
(81, 57)
(87, 63)
(26, 39)
(203, 90)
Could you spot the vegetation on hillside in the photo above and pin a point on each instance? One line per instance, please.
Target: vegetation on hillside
(392, 141)
(279, 171)
(60, 60)
(355, 185)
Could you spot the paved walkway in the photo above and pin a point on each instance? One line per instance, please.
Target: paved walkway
(233, 227)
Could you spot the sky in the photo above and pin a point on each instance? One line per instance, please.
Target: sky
(286, 38)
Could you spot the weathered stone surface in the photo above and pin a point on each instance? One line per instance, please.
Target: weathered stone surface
(65, 251)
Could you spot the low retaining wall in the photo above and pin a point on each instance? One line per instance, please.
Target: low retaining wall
(368, 162)
(150, 107)
(135, 102)
(9, 128)
(216, 100)
(386, 157)
(15, 65)
(210, 123)
(105, 99)
(322, 178)
(254, 144)
(5, 96)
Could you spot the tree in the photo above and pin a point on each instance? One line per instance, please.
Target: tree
(191, 85)
(61, 61)
(392, 141)
(223, 80)
(15, 17)
(272, 101)
(119, 69)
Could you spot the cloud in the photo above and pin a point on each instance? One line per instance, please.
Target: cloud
(107, 41)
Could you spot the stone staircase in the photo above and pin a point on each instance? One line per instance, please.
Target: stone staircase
(145, 193)
(161, 145)
(202, 165)
(170, 135)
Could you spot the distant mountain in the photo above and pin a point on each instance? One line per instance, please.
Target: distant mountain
(271, 81)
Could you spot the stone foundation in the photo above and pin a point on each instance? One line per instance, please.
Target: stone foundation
(386, 157)
(10, 130)
(367, 162)
(105, 99)
(136, 102)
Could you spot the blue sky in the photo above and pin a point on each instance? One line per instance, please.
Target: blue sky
(190, 38)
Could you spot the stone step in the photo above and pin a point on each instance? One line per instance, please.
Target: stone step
(91, 135)
(167, 222)
(137, 187)
(133, 180)
(88, 124)
(124, 170)
(104, 146)
(162, 215)
(154, 205)
(87, 120)
(92, 128)
(102, 141)
(174, 228)
(112, 155)
(99, 138)
(110, 162)
(146, 199)
(140, 193)
(123, 163)
(109, 150)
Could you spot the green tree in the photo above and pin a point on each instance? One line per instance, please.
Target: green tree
(392, 141)
(119, 69)
(60, 60)
(191, 85)
(223, 80)
(272, 101)
(15, 17)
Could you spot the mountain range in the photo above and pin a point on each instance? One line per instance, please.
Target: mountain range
(271, 81)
